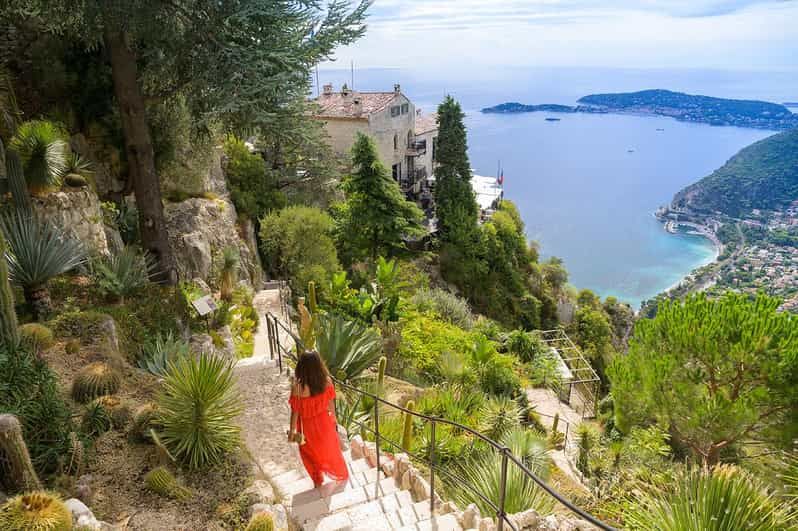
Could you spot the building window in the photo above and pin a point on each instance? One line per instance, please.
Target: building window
(395, 141)
(395, 111)
(396, 172)
(405, 108)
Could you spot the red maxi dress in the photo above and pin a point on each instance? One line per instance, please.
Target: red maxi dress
(321, 453)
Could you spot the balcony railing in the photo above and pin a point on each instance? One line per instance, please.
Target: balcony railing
(416, 148)
(277, 329)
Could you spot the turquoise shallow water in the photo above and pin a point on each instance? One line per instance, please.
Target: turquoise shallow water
(587, 185)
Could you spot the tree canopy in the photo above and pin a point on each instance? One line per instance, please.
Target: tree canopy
(716, 372)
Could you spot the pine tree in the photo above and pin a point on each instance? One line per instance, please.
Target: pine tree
(456, 206)
(376, 218)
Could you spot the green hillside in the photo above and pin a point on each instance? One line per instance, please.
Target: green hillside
(763, 175)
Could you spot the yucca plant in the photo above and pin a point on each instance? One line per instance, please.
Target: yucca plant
(498, 416)
(38, 251)
(124, 273)
(522, 493)
(197, 407)
(42, 146)
(35, 511)
(228, 275)
(347, 346)
(724, 498)
(76, 169)
(158, 352)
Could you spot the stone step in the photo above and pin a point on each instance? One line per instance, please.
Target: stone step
(445, 522)
(313, 505)
(396, 509)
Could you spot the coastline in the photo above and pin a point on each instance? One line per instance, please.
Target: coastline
(671, 227)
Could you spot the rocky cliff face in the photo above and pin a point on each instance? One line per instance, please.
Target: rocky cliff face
(77, 210)
(200, 229)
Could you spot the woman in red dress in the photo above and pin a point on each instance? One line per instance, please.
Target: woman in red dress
(313, 422)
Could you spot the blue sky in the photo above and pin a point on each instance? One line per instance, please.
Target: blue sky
(722, 34)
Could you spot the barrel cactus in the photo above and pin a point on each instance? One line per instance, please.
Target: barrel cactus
(96, 379)
(37, 336)
(72, 347)
(35, 511)
(144, 419)
(118, 411)
(162, 482)
(261, 522)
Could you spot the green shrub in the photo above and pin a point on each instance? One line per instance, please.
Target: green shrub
(95, 380)
(297, 244)
(162, 482)
(228, 273)
(448, 306)
(425, 339)
(123, 274)
(35, 511)
(347, 347)
(198, 407)
(527, 346)
(37, 336)
(29, 390)
(497, 377)
(253, 188)
(157, 353)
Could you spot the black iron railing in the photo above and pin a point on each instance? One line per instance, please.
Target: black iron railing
(278, 349)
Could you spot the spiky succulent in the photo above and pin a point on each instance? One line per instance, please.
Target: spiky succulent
(43, 149)
(198, 409)
(35, 511)
(228, 275)
(162, 482)
(123, 273)
(159, 352)
(95, 379)
(96, 420)
(261, 522)
(37, 336)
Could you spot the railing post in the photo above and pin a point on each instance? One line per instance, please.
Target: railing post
(432, 467)
(500, 514)
(377, 433)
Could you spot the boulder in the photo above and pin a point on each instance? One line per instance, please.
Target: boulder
(261, 492)
(77, 211)
(83, 518)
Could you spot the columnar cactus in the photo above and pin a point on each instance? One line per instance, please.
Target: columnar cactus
(14, 452)
(162, 482)
(9, 332)
(37, 510)
(407, 431)
(77, 455)
(94, 380)
(381, 371)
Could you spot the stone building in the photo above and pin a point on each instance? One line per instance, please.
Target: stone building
(404, 137)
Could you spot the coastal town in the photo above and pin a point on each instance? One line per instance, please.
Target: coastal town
(757, 253)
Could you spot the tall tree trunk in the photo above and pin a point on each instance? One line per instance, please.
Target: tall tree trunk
(140, 154)
(20, 475)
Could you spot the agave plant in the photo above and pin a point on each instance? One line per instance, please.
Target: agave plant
(38, 251)
(347, 347)
(44, 152)
(498, 416)
(228, 276)
(197, 409)
(159, 352)
(522, 493)
(124, 273)
(725, 498)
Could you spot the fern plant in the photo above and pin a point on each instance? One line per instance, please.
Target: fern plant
(347, 346)
(160, 351)
(37, 252)
(43, 149)
(197, 407)
(123, 274)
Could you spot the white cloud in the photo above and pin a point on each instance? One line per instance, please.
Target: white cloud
(736, 34)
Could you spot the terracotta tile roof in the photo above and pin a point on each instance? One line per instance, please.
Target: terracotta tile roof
(426, 123)
(335, 105)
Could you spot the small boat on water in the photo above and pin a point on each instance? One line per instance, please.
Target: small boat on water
(630, 150)
(552, 119)
(660, 129)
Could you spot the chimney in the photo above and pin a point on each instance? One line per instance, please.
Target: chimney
(357, 105)
(328, 89)
(397, 88)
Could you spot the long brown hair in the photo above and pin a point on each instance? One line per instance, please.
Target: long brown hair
(312, 371)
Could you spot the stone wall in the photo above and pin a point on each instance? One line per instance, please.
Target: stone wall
(77, 210)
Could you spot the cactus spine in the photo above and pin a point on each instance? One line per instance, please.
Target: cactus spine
(162, 482)
(407, 431)
(261, 522)
(14, 452)
(8, 315)
(35, 511)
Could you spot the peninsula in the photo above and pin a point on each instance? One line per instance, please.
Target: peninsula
(683, 107)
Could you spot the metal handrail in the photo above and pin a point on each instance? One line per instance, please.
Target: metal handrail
(507, 456)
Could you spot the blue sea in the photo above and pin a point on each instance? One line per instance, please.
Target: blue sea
(587, 185)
